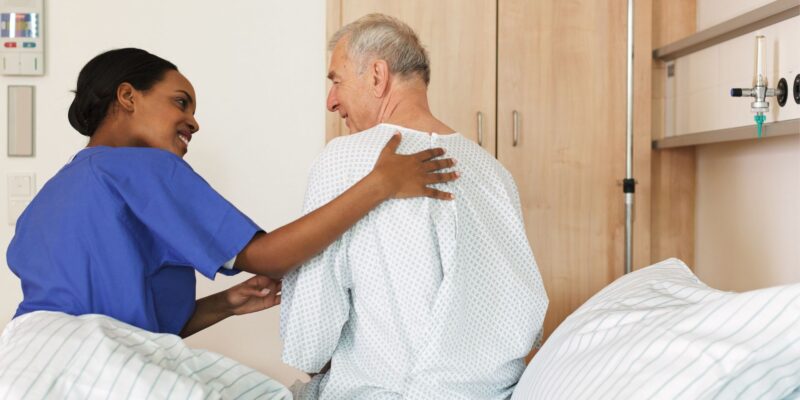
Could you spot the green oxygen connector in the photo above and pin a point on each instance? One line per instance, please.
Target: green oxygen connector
(760, 118)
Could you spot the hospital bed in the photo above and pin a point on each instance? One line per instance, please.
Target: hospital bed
(660, 333)
(50, 355)
(657, 333)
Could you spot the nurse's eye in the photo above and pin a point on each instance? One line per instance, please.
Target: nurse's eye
(182, 102)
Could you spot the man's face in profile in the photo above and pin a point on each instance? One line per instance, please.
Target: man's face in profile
(351, 94)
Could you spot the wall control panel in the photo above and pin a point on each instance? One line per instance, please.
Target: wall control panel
(22, 37)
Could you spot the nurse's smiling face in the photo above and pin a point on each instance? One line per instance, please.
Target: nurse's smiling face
(162, 116)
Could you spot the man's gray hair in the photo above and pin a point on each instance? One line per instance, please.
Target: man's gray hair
(385, 38)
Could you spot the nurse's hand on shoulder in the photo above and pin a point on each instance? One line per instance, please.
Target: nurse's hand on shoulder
(255, 294)
(405, 176)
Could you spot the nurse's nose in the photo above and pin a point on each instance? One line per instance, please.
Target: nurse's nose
(194, 126)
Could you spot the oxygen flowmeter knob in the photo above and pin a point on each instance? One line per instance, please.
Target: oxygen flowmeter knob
(782, 92)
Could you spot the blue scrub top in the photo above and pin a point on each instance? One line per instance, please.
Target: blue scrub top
(120, 231)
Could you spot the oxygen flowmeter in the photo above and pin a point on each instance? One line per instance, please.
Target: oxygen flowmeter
(21, 37)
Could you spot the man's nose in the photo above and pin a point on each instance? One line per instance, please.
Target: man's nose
(333, 103)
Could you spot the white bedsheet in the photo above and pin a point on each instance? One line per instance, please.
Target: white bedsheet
(660, 333)
(59, 356)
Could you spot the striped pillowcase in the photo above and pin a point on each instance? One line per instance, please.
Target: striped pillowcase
(660, 333)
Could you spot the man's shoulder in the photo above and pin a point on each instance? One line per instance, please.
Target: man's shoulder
(346, 159)
(355, 149)
(377, 136)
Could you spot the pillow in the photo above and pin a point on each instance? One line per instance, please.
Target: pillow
(660, 333)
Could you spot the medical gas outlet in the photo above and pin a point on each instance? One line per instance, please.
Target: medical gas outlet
(760, 90)
(21, 37)
(796, 89)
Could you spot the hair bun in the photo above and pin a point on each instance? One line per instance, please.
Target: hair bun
(100, 77)
(76, 119)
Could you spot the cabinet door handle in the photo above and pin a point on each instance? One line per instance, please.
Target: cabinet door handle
(515, 115)
(480, 128)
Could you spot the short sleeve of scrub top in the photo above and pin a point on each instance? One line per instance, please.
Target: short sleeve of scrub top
(121, 232)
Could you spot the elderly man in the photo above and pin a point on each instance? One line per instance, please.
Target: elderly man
(422, 299)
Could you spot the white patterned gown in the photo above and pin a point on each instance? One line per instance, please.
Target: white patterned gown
(422, 298)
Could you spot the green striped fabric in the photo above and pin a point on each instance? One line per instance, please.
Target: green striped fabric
(49, 355)
(660, 333)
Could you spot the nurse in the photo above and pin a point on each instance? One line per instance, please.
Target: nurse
(121, 229)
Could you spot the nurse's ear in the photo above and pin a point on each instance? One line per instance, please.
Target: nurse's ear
(125, 93)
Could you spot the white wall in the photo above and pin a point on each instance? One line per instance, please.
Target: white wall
(713, 12)
(748, 192)
(258, 69)
(748, 213)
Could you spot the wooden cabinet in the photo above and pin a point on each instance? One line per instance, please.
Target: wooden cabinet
(559, 68)
(562, 69)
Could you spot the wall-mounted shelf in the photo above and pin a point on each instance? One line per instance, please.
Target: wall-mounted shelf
(772, 129)
(769, 14)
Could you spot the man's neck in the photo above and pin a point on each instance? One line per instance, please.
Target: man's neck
(406, 105)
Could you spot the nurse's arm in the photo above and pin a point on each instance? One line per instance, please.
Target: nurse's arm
(255, 294)
(395, 176)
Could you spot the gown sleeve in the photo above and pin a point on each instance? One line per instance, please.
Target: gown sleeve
(312, 321)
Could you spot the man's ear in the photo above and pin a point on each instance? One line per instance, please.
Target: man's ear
(125, 92)
(380, 77)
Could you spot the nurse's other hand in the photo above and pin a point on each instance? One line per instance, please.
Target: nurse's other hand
(404, 176)
(255, 294)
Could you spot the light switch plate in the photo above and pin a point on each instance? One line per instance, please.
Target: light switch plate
(15, 209)
(21, 185)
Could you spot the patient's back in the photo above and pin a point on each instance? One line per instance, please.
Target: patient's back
(421, 298)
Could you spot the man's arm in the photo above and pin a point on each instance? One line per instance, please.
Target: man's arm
(315, 300)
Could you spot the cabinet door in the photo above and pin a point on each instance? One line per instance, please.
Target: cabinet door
(461, 42)
(562, 69)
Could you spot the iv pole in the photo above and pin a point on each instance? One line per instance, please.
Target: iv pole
(629, 184)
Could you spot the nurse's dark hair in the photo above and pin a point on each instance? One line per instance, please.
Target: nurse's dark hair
(99, 79)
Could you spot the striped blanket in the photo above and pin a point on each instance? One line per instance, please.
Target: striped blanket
(660, 333)
(55, 355)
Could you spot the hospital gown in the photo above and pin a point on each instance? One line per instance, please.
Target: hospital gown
(422, 298)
